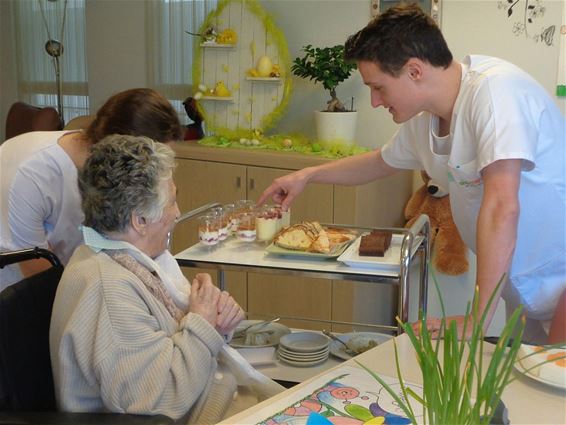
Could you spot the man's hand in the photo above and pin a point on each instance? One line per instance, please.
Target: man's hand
(284, 189)
(433, 326)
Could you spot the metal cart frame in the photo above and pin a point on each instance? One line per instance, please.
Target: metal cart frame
(416, 242)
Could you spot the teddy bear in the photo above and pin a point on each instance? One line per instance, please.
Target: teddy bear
(449, 252)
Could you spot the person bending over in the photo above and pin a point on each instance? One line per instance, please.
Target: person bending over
(484, 129)
(40, 200)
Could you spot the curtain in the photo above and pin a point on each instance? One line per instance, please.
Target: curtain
(170, 48)
(35, 68)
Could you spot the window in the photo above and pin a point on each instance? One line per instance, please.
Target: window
(170, 50)
(36, 71)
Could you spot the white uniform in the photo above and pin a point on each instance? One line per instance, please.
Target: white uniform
(501, 113)
(40, 198)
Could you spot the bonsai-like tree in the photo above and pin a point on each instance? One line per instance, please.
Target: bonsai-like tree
(327, 66)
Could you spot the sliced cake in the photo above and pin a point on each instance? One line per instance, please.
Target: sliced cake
(375, 244)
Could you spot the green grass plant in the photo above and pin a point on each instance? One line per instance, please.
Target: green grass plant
(458, 387)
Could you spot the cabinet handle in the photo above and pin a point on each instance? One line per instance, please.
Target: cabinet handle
(252, 184)
(238, 182)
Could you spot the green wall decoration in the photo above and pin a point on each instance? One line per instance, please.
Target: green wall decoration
(239, 89)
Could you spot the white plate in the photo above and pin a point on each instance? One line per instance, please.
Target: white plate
(302, 360)
(549, 373)
(304, 342)
(278, 331)
(361, 339)
(390, 259)
(335, 252)
(303, 364)
(302, 356)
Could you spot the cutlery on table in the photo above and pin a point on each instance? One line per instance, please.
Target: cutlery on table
(258, 325)
(348, 350)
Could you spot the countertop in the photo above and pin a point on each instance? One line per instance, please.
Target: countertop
(253, 157)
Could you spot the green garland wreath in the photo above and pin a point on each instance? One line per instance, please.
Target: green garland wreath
(278, 38)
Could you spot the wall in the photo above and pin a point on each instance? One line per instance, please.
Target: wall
(116, 39)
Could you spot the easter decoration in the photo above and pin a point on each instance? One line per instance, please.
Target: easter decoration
(250, 64)
(242, 81)
(210, 37)
(265, 69)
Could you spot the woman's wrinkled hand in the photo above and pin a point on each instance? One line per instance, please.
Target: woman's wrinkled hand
(230, 314)
(204, 298)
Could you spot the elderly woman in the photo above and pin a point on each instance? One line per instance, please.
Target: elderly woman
(40, 203)
(128, 334)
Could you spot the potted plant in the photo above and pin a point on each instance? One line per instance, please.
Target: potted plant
(327, 66)
(458, 387)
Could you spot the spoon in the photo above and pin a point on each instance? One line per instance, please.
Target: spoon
(348, 350)
(259, 325)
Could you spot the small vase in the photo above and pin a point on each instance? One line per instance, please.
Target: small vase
(337, 127)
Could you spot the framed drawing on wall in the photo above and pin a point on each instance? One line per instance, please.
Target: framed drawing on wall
(432, 7)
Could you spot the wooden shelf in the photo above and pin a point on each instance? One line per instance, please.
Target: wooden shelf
(265, 79)
(218, 98)
(217, 46)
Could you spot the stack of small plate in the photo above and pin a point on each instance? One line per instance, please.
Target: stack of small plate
(303, 349)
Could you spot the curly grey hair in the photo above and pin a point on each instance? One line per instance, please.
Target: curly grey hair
(125, 175)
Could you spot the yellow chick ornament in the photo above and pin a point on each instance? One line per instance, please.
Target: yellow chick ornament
(221, 90)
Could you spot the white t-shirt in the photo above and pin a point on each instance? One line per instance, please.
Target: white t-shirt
(501, 113)
(40, 198)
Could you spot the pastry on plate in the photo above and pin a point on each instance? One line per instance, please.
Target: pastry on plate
(310, 236)
(305, 236)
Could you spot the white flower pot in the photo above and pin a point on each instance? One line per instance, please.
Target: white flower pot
(336, 126)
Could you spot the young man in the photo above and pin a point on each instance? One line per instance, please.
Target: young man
(487, 131)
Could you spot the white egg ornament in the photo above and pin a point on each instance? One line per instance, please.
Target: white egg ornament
(264, 66)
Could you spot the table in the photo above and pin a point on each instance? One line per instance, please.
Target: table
(251, 257)
(528, 401)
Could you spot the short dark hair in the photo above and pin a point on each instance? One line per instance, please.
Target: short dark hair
(136, 112)
(398, 34)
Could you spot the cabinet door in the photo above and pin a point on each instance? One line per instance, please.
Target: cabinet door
(198, 183)
(315, 203)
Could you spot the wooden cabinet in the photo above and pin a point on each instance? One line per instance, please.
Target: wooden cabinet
(226, 175)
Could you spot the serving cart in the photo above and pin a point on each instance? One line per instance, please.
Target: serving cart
(234, 255)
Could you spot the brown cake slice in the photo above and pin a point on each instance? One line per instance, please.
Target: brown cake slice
(375, 244)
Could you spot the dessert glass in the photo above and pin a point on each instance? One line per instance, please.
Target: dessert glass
(283, 217)
(208, 230)
(230, 213)
(266, 224)
(223, 222)
(245, 205)
(246, 227)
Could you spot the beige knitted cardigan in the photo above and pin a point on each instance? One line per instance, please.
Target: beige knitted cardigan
(115, 347)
